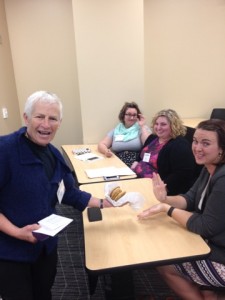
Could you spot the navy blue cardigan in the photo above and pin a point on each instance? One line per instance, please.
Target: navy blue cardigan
(27, 195)
(176, 164)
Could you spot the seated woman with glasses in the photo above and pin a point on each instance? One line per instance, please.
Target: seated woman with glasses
(167, 153)
(128, 137)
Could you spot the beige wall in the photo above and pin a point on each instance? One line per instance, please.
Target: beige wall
(8, 94)
(110, 56)
(97, 54)
(44, 57)
(184, 56)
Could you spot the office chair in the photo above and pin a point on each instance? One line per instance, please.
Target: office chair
(189, 134)
(218, 113)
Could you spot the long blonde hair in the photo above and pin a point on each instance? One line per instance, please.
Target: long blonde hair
(176, 124)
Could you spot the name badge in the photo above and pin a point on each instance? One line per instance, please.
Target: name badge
(146, 157)
(61, 191)
(119, 137)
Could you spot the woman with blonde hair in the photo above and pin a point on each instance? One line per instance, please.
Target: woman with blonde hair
(168, 153)
(200, 210)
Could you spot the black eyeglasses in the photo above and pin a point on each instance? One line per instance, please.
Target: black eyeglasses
(131, 116)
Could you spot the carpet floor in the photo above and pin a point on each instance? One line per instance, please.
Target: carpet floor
(71, 282)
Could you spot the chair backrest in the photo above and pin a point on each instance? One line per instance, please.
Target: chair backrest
(189, 134)
(218, 113)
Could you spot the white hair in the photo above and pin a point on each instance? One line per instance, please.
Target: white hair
(41, 96)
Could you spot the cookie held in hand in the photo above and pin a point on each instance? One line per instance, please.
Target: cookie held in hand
(117, 193)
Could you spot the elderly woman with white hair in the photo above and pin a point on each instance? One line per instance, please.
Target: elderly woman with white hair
(33, 178)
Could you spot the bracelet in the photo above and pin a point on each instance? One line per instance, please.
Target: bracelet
(170, 211)
(101, 203)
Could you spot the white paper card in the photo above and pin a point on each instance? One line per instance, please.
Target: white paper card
(88, 157)
(61, 191)
(111, 171)
(53, 224)
(119, 137)
(146, 157)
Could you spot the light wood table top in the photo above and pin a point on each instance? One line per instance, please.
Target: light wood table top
(121, 241)
(80, 166)
(192, 122)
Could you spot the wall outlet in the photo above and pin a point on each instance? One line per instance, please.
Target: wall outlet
(5, 113)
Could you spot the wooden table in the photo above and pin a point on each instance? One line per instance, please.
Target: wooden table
(121, 242)
(79, 166)
(192, 122)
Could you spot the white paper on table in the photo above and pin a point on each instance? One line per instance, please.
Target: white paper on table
(88, 157)
(52, 224)
(135, 199)
(110, 171)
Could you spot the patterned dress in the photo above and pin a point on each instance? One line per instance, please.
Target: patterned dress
(145, 169)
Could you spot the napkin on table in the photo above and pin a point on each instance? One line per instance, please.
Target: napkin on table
(135, 199)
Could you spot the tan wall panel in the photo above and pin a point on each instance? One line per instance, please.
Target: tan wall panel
(8, 93)
(184, 56)
(44, 57)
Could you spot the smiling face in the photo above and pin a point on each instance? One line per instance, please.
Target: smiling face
(130, 117)
(206, 149)
(43, 123)
(162, 128)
